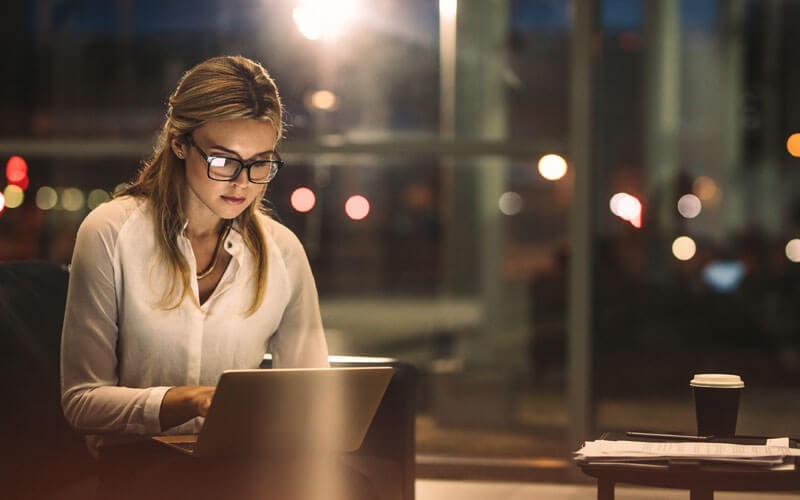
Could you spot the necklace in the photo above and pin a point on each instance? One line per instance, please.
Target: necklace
(215, 257)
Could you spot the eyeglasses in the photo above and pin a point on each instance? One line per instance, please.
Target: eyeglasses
(222, 168)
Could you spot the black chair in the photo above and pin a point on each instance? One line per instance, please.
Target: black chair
(43, 458)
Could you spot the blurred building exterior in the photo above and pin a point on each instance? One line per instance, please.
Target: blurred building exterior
(537, 311)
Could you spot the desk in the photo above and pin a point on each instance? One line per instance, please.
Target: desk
(701, 480)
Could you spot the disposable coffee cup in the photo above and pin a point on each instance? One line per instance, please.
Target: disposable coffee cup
(716, 403)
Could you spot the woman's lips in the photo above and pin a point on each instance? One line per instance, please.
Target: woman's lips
(233, 200)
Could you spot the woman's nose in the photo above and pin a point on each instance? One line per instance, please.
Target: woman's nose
(241, 179)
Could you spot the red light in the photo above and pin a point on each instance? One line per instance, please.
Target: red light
(22, 183)
(16, 170)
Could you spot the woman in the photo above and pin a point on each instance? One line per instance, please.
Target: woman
(184, 275)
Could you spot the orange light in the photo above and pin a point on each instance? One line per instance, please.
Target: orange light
(793, 145)
(357, 207)
(16, 170)
(705, 188)
(303, 199)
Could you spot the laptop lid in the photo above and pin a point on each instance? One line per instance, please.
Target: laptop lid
(292, 410)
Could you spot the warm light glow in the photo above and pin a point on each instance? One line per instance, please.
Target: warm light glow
(510, 203)
(303, 199)
(119, 187)
(627, 207)
(683, 248)
(2, 202)
(705, 188)
(448, 8)
(72, 199)
(793, 250)
(16, 169)
(323, 99)
(46, 198)
(613, 203)
(324, 19)
(96, 198)
(14, 196)
(793, 145)
(689, 206)
(552, 167)
(356, 207)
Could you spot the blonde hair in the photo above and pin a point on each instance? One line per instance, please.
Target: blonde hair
(221, 88)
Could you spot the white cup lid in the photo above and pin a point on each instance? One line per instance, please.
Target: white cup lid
(722, 380)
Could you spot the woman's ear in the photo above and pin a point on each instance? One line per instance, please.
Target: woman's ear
(178, 147)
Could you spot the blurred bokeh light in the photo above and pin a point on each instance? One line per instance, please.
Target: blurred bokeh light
(627, 207)
(793, 145)
(552, 167)
(357, 207)
(705, 188)
(14, 196)
(97, 197)
(46, 198)
(689, 206)
(324, 100)
(793, 250)
(16, 169)
(683, 248)
(303, 199)
(510, 203)
(72, 199)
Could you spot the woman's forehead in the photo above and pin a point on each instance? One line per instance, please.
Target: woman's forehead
(245, 136)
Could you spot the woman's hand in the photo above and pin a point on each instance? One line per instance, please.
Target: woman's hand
(183, 403)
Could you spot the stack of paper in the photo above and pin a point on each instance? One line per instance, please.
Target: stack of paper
(772, 455)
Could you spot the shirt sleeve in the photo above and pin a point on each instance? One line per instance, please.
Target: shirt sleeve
(90, 397)
(299, 341)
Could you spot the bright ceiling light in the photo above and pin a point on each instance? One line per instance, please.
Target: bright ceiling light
(448, 8)
(324, 19)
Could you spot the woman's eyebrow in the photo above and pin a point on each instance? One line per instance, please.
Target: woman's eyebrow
(223, 148)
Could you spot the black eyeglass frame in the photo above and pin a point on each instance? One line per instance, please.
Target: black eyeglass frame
(275, 165)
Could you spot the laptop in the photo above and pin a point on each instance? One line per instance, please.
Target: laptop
(271, 411)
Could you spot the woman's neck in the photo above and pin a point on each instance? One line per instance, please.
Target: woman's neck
(206, 229)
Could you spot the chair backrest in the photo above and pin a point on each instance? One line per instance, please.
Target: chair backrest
(33, 430)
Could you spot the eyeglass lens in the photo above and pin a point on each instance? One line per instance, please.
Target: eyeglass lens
(221, 168)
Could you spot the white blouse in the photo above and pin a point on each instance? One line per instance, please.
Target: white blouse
(120, 352)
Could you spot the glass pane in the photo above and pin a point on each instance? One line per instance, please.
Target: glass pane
(708, 282)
